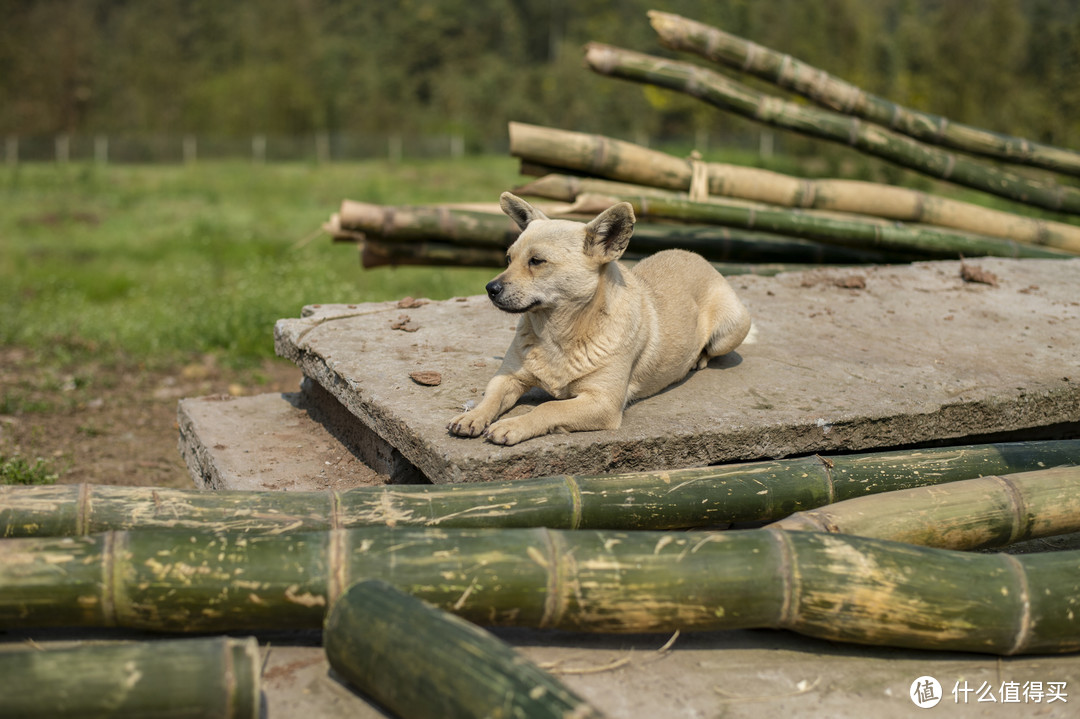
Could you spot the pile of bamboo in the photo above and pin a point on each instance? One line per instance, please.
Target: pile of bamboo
(747, 219)
(742, 219)
(865, 548)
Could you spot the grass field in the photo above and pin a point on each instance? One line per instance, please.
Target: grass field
(151, 264)
(126, 288)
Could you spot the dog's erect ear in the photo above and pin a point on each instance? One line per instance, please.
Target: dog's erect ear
(519, 210)
(607, 235)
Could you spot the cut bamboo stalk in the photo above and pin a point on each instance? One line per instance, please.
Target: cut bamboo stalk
(420, 661)
(180, 679)
(679, 33)
(758, 185)
(730, 95)
(746, 492)
(972, 514)
(374, 254)
(474, 229)
(825, 585)
(922, 239)
(734, 244)
(338, 233)
(442, 236)
(716, 244)
(559, 185)
(598, 155)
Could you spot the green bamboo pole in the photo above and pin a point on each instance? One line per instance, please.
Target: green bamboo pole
(923, 239)
(970, 514)
(586, 153)
(430, 235)
(745, 492)
(714, 243)
(709, 240)
(717, 244)
(420, 661)
(727, 94)
(829, 91)
(474, 229)
(735, 244)
(832, 586)
(180, 679)
(374, 254)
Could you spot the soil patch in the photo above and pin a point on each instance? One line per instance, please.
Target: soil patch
(106, 423)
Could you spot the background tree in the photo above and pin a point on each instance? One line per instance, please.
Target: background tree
(296, 67)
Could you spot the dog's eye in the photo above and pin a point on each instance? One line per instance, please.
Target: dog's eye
(508, 260)
(536, 261)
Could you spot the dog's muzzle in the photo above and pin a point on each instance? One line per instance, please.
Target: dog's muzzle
(495, 294)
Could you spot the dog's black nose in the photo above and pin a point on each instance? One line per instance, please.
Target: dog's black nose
(494, 288)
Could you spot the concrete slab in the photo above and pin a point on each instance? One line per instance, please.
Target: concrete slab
(299, 441)
(731, 674)
(844, 359)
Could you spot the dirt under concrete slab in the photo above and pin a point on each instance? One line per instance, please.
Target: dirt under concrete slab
(843, 359)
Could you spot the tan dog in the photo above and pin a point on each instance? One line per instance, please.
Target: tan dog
(592, 334)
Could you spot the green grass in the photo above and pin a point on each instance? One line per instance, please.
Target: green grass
(17, 470)
(149, 264)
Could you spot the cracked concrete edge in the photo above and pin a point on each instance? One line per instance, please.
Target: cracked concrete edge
(287, 344)
(358, 437)
(197, 456)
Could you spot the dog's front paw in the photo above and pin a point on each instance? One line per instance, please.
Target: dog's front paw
(469, 424)
(509, 431)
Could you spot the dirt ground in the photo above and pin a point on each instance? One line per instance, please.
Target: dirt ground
(107, 423)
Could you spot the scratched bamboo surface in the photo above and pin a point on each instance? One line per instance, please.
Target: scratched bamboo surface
(422, 662)
(203, 678)
(825, 585)
(980, 513)
(754, 491)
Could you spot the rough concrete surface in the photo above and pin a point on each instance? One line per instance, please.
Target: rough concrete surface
(745, 673)
(844, 359)
(268, 442)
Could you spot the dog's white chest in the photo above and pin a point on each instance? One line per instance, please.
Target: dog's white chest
(558, 370)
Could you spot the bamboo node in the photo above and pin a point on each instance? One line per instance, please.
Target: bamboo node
(699, 178)
(82, 510)
(942, 125)
(853, 133)
(789, 609)
(1024, 621)
(752, 51)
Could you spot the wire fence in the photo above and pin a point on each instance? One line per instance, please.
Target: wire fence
(319, 148)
